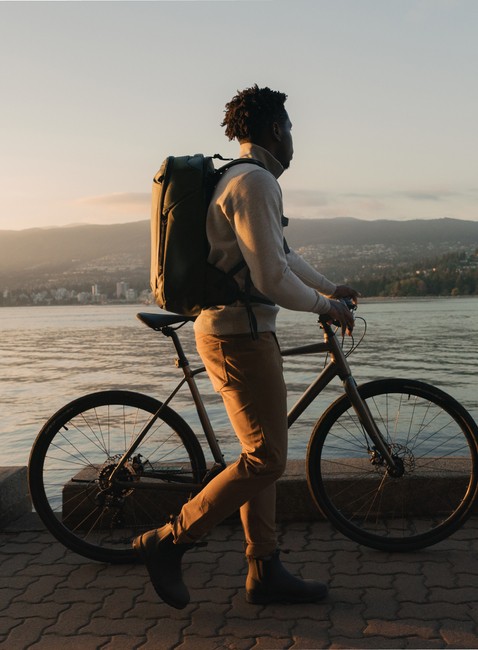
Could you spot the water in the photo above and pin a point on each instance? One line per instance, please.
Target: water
(50, 355)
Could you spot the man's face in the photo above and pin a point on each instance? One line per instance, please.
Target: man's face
(285, 147)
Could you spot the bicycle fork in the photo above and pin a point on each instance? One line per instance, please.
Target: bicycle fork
(394, 465)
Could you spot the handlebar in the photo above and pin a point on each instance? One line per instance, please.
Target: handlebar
(347, 302)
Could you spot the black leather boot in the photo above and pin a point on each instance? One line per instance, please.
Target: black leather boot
(162, 558)
(268, 581)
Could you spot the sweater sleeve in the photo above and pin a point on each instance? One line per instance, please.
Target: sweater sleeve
(310, 276)
(253, 205)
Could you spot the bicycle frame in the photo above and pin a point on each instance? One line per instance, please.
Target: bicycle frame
(337, 366)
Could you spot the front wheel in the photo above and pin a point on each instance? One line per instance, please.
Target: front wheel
(77, 450)
(434, 442)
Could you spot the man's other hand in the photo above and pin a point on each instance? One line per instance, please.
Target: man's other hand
(338, 312)
(343, 291)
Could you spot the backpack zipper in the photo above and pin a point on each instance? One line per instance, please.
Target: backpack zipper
(163, 216)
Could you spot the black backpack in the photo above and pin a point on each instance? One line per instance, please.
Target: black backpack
(182, 280)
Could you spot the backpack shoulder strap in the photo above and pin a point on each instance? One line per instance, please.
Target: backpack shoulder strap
(238, 161)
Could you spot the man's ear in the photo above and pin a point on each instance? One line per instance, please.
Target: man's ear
(276, 131)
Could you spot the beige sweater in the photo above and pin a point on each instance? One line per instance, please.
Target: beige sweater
(244, 222)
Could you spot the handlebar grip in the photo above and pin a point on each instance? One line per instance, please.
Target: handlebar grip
(347, 302)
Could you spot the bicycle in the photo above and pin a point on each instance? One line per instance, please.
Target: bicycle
(392, 464)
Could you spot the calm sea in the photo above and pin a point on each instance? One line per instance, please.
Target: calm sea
(50, 355)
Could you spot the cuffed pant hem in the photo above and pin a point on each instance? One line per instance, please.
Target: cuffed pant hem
(262, 550)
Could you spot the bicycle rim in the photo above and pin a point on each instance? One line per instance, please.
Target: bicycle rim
(435, 442)
(75, 453)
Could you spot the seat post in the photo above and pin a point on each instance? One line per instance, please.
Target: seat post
(182, 360)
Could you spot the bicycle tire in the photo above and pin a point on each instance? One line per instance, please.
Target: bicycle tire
(437, 442)
(74, 454)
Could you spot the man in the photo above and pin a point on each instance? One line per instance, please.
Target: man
(240, 351)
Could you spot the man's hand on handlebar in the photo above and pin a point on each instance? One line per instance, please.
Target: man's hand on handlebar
(343, 291)
(341, 314)
(339, 311)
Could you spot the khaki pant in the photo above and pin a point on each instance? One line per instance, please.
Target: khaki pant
(248, 375)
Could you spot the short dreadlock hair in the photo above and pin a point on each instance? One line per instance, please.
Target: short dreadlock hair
(251, 110)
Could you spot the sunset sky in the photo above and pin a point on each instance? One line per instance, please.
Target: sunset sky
(383, 96)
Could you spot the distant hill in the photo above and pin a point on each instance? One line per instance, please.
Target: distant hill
(71, 247)
(35, 254)
(356, 231)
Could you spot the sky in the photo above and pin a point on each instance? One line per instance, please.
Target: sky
(382, 94)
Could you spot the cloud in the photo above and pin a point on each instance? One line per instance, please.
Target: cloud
(117, 200)
(393, 204)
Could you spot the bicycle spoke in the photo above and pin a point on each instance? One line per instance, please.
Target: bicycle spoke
(75, 457)
(433, 443)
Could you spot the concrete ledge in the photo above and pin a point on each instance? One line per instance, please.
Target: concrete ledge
(294, 501)
(14, 497)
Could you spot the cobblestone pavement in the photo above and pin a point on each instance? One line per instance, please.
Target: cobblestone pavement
(51, 598)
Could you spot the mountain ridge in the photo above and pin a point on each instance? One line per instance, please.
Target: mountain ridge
(79, 244)
(41, 256)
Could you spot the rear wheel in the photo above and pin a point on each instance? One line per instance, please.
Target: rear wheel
(434, 441)
(75, 453)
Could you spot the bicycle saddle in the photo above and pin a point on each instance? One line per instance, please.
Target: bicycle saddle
(158, 321)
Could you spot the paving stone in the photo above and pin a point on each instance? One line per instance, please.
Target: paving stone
(213, 643)
(344, 643)
(271, 643)
(207, 620)
(47, 611)
(419, 644)
(465, 595)
(469, 579)
(412, 587)
(438, 574)
(165, 633)
(232, 563)
(6, 625)
(380, 603)
(242, 628)
(70, 621)
(317, 612)
(100, 625)
(344, 594)
(459, 634)
(391, 566)
(348, 619)
(364, 581)
(425, 599)
(123, 642)
(39, 590)
(10, 565)
(27, 633)
(82, 576)
(378, 643)
(346, 562)
(78, 595)
(309, 633)
(401, 628)
(81, 642)
(431, 611)
(120, 601)
(212, 594)
(57, 568)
